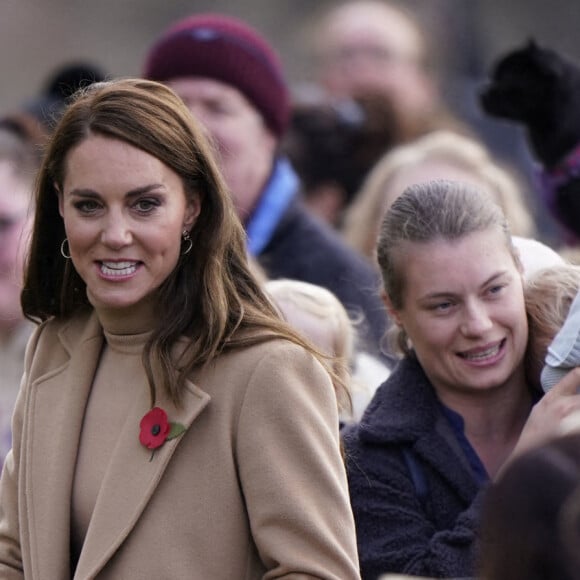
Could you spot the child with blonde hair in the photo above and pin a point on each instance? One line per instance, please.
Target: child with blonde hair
(553, 308)
(320, 317)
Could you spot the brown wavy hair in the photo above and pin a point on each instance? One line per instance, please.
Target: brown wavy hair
(211, 296)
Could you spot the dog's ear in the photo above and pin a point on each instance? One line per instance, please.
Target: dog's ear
(532, 45)
(556, 66)
(551, 64)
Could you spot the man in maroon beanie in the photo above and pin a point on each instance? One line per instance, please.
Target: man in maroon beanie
(232, 81)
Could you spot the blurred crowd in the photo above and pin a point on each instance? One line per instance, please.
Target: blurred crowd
(312, 170)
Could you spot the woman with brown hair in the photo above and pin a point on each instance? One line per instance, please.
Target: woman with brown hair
(170, 424)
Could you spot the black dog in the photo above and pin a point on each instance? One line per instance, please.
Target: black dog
(540, 89)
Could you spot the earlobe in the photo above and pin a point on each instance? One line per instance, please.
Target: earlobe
(192, 212)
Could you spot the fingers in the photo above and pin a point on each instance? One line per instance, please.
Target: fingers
(557, 413)
(570, 423)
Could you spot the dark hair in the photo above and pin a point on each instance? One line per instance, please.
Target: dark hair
(211, 294)
(18, 148)
(61, 84)
(425, 212)
(530, 519)
(339, 141)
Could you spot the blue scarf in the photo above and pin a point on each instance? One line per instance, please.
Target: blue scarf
(281, 189)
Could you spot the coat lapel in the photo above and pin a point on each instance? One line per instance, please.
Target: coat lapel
(57, 403)
(131, 479)
(405, 412)
(443, 453)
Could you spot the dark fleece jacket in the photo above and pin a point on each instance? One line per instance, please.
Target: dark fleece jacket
(397, 531)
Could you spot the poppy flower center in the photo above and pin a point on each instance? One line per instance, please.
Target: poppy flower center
(155, 430)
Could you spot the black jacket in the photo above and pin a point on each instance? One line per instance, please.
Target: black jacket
(397, 529)
(304, 248)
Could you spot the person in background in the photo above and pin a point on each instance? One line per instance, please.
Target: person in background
(319, 316)
(531, 516)
(458, 404)
(231, 79)
(333, 143)
(19, 161)
(371, 46)
(426, 58)
(169, 423)
(439, 155)
(58, 88)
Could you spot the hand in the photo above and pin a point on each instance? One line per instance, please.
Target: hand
(556, 414)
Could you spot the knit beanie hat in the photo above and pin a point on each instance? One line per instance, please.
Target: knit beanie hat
(224, 49)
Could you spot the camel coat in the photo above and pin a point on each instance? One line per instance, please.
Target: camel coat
(255, 487)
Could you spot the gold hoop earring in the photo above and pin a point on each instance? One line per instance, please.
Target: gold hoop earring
(63, 248)
(187, 241)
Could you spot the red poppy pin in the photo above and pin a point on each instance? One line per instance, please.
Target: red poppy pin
(156, 429)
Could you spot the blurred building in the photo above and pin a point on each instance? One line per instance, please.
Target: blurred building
(38, 35)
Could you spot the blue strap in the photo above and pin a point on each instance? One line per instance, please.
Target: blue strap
(280, 190)
(458, 426)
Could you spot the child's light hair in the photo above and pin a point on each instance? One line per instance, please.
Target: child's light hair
(320, 316)
(548, 294)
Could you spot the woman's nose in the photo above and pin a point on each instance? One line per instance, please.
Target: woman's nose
(116, 232)
(476, 320)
